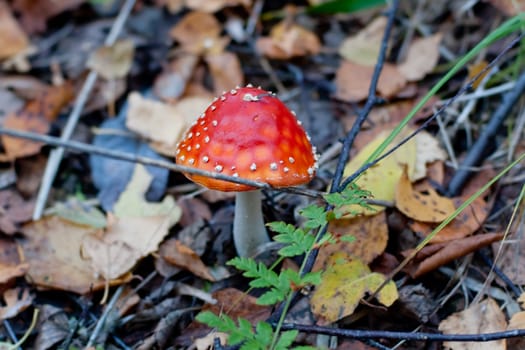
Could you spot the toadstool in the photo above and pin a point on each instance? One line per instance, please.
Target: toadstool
(248, 133)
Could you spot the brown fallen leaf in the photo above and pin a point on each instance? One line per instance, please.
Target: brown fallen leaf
(353, 81)
(370, 234)
(225, 69)
(16, 300)
(34, 14)
(114, 253)
(288, 40)
(52, 248)
(34, 117)
(198, 32)
(466, 223)
(29, 171)
(422, 57)
(14, 210)
(11, 264)
(425, 206)
(182, 256)
(172, 82)
(13, 39)
(435, 255)
(508, 7)
(485, 317)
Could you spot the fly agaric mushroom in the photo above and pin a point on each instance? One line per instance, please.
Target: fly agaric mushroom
(248, 133)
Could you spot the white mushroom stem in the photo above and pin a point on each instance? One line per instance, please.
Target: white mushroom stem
(248, 225)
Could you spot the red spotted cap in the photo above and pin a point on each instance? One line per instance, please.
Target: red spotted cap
(248, 133)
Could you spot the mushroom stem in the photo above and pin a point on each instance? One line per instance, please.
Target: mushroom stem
(248, 224)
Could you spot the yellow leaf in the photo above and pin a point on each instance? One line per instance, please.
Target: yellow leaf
(381, 179)
(363, 48)
(343, 285)
(132, 202)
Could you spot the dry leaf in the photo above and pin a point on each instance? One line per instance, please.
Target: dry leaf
(428, 151)
(198, 32)
(512, 257)
(509, 7)
(425, 206)
(35, 117)
(52, 248)
(16, 301)
(14, 210)
(363, 48)
(154, 120)
(11, 265)
(215, 5)
(287, 41)
(353, 81)
(381, 179)
(343, 284)
(370, 234)
(485, 317)
(36, 13)
(435, 255)
(126, 240)
(225, 69)
(422, 57)
(173, 81)
(114, 61)
(466, 223)
(180, 255)
(13, 40)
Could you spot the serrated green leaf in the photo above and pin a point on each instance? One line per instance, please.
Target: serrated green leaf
(316, 216)
(264, 331)
(286, 339)
(271, 297)
(281, 227)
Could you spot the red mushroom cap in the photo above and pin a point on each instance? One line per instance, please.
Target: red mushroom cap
(248, 133)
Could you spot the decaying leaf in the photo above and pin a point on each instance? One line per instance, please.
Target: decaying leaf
(198, 32)
(382, 178)
(422, 57)
(35, 117)
(370, 235)
(363, 48)
(79, 213)
(344, 283)
(16, 301)
(132, 202)
(226, 71)
(485, 317)
(288, 40)
(13, 39)
(173, 81)
(162, 122)
(11, 264)
(353, 81)
(215, 5)
(435, 255)
(466, 223)
(52, 248)
(509, 7)
(425, 206)
(14, 210)
(180, 255)
(134, 232)
(34, 14)
(428, 151)
(112, 62)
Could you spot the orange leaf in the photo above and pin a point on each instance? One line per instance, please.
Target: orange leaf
(370, 233)
(184, 257)
(421, 206)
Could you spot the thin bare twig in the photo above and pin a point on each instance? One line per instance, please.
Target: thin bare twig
(56, 155)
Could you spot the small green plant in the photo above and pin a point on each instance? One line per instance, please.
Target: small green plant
(280, 286)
